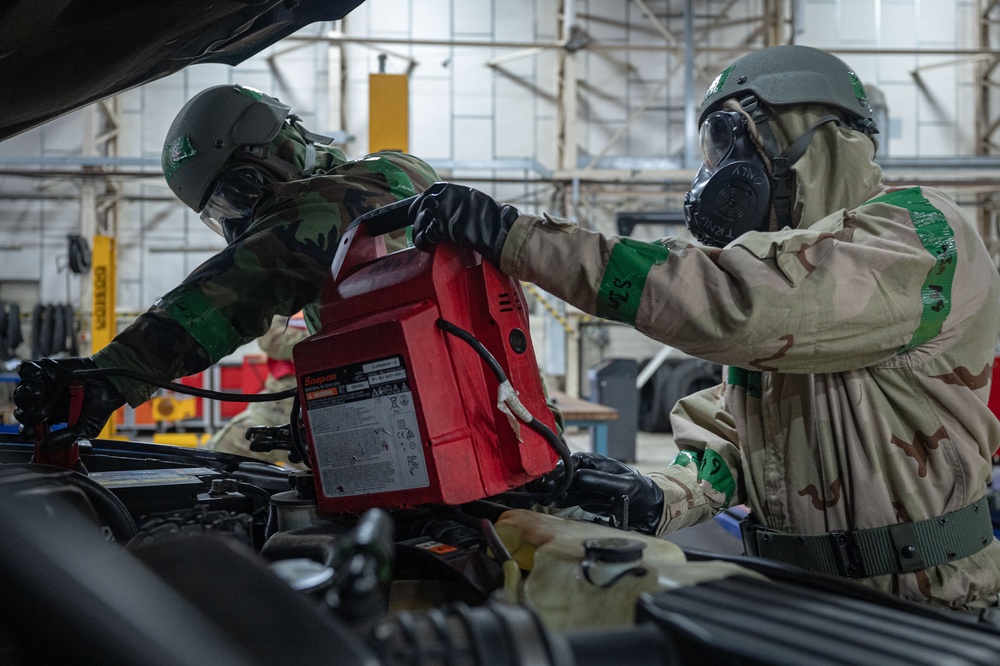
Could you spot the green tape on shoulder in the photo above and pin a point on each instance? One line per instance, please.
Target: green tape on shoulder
(311, 315)
(400, 183)
(938, 239)
(199, 317)
(625, 278)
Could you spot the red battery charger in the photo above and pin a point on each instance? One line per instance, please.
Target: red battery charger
(400, 413)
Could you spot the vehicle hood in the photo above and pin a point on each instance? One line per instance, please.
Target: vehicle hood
(60, 55)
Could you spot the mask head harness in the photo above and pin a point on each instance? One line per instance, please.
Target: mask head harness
(733, 191)
(218, 154)
(736, 188)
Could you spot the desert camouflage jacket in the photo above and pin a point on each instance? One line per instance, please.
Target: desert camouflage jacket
(276, 268)
(858, 347)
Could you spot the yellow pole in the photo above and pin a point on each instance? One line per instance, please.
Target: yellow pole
(103, 325)
(388, 112)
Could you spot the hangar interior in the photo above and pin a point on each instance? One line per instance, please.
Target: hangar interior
(585, 109)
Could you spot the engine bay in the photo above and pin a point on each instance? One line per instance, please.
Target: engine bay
(179, 556)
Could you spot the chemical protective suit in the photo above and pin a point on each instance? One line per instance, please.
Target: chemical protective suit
(858, 340)
(281, 199)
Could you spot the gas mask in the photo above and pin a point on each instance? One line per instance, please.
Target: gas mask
(731, 193)
(229, 207)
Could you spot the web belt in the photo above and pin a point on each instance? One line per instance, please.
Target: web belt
(879, 550)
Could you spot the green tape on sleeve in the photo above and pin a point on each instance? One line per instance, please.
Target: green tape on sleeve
(715, 471)
(712, 469)
(683, 459)
(625, 278)
(206, 324)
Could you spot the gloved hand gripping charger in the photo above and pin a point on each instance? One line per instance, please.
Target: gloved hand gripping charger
(398, 411)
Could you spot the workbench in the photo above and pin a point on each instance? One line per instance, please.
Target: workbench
(586, 414)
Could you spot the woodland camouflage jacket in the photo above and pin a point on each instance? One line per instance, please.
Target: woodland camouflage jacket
(858, 350)
(276, 268)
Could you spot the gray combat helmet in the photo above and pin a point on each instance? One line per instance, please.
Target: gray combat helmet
(783, 75)
(208, 129)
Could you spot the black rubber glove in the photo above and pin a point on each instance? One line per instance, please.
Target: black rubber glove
(599, 483)
(464, 216)
(42, 395)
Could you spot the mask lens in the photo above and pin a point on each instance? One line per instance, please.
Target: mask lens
(233, 198)
(718, 135)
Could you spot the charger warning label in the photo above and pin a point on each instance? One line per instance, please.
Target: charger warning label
(364, 427)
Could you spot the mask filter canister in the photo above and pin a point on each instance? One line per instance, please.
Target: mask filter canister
(731, 192)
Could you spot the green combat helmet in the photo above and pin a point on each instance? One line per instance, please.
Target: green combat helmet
(208, 129)
(784, 75)
(218, 154)
(729, 198)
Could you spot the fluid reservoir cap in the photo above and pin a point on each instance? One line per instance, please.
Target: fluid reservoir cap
(613, 549)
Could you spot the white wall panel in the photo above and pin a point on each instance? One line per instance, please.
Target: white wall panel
(473, 92)
(515, 138)
(463, 111)
(473, 138)
(430, 119)
(431, 19)
(822, 19)
(936, 22)
(473, 17)
(902, 100)
(938, 139)
(857, 22)
(899, 24)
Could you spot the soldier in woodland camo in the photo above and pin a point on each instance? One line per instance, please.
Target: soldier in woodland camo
(281, 198)
(277, 345)
(857, 323)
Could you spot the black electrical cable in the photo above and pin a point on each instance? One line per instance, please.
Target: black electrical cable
(228, 396)
(300, 448)
(556, 442)
(296, 434)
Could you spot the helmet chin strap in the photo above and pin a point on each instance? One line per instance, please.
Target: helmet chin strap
(311, 138)
(291, 171)
(781, 163)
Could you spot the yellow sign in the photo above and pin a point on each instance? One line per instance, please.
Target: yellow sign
(388, 112)
(103, 325)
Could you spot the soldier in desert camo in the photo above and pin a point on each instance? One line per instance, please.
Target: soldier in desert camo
(856, 323)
